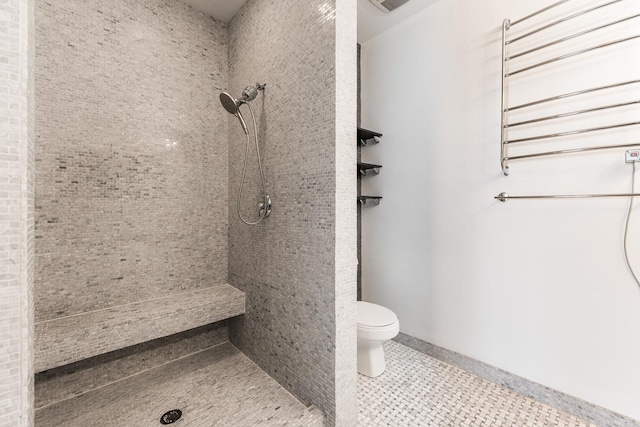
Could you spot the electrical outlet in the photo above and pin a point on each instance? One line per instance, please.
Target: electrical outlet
(632, 156)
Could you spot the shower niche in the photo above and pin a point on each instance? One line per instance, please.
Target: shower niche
(366, 137)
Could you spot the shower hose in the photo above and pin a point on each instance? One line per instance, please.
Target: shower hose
(626, 226)
(265, 210)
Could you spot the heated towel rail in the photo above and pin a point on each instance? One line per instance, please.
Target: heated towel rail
(510, 52)
(507, 73)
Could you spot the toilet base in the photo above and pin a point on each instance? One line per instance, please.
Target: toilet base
(370, 358)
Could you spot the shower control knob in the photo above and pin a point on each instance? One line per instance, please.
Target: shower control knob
(261, 208)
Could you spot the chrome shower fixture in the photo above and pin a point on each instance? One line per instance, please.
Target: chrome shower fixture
(250, 92)
(232, 105)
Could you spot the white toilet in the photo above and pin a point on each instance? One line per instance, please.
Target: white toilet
(376, 324)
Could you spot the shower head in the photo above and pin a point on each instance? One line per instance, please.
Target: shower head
(229, 103)
(232, 105)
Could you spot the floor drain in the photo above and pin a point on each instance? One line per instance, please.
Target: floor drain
(171, 417)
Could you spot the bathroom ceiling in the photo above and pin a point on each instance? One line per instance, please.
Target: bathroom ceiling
(372, 21)
(222, 10)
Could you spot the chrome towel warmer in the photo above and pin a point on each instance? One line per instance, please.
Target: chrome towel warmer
(506, 109)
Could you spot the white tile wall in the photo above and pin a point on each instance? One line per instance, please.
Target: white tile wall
(346, 212)
(16, 213)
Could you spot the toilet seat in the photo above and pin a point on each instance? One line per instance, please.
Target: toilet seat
(376, 323)
(374, 315)
(384, 333)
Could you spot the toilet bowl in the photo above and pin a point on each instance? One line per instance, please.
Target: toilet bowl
(376, 324)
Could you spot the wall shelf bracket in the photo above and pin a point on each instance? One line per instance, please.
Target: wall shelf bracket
(364, 168)
(364, 200)
(365, 136)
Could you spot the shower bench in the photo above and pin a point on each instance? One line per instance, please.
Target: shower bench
(70, 339)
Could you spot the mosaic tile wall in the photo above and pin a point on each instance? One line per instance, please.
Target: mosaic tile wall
(71, 380)
(28, 217)
(287, 264)
(131, 191)
(16, 213)
(346, 231)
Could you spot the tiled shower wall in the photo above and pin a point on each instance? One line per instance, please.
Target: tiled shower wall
(298, 267)
(16, 213)
(131, 191)
(346, 229)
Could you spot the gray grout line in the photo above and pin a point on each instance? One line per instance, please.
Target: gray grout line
(556, 399)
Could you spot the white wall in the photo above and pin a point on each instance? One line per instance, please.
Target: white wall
(538, 288)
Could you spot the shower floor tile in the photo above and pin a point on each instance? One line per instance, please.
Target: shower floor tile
(418, 390)
(216, 387)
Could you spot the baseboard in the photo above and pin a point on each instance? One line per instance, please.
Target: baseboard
(572, 405)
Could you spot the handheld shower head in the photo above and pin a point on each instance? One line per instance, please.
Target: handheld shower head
(232, 105)
(242, 122)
